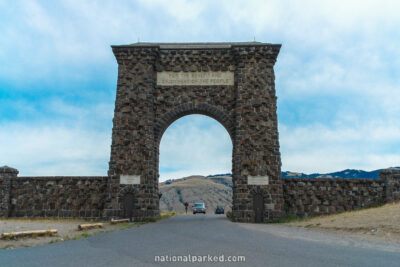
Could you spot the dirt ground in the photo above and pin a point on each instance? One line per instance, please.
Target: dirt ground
(67, 229)
(380, 224)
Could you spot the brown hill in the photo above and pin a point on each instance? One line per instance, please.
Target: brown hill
(213, 191)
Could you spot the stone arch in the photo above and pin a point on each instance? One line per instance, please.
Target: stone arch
(191, 108)
(126, 190)
(232, 83)
(259, 190)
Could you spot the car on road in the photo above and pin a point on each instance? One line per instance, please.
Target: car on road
(219, 210)
(199, 208)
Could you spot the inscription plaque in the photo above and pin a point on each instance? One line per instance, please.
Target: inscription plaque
(195, 78)
(129, 179)
(257, 180)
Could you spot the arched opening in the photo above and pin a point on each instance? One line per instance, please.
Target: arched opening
(195, 164)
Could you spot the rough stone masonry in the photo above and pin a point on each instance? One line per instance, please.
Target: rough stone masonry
(234, 83)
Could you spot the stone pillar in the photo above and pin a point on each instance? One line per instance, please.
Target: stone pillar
(391, 177)
(257, 161)
(6, 174)
(133, 148)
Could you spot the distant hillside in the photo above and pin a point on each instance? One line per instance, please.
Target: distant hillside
(213, 191)
(349, 173)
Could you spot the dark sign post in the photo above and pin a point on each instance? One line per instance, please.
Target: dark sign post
(186, 206)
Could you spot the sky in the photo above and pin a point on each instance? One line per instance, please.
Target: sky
(337, 81)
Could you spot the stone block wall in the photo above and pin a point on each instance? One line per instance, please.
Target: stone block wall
(58, 196)
(86, 197)
(53, 196)
(319, 196)
(391, 177)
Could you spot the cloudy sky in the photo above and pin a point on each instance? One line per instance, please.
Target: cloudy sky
(337, 81)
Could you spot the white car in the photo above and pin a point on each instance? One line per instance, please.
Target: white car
(199, 208)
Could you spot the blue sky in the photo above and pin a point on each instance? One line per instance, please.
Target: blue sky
(337, 81)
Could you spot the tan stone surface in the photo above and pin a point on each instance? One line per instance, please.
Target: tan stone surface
(195, 78)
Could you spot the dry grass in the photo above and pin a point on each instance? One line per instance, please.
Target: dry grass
(67, 229)
(167, 214)
(382, 223)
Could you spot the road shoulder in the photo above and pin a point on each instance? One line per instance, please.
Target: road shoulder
(312, 235)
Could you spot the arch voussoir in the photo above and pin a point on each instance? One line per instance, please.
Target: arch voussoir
(181, 110)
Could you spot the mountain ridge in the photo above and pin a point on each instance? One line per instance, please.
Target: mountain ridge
(347, 173)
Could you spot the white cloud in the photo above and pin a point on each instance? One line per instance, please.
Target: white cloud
(48, 39)
(54, 137)
(54, 150)
(80, 32)
(39, 20)
(318, 148)
(195, 145)
(331, 49)
(181, 10)
(56, 111)
(84, 114)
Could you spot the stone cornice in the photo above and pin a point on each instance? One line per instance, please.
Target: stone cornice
(183, 46)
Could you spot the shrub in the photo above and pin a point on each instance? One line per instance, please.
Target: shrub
(229, 215)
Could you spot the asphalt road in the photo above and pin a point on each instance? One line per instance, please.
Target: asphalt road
(206, 236)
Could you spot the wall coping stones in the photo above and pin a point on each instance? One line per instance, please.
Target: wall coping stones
(334, 180)
(389, 171)
(6, 169)
(63, 177)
